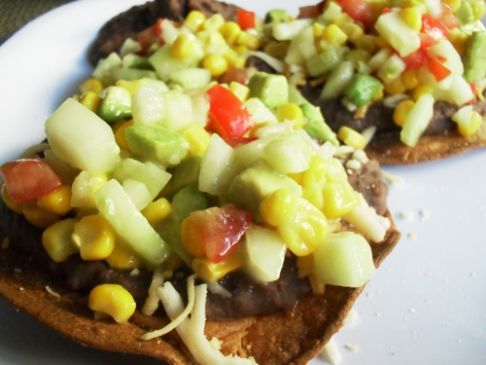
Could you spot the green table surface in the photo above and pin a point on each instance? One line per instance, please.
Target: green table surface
(16, 13)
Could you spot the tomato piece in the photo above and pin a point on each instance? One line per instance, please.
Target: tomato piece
(214, 232)
(150, 35)
(359, 10)
(228, 116)
(438, 69)
(245, 18)
(433, 27)
(311, 11)
(416, 59)
(241, 75)
(447, 18)
(29, 179)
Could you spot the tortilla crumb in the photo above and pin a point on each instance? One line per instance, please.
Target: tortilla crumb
(412, 235)
(330, 353)
(135, 272)
(424, 214)
(406, 215)
(5, 243)
(21, 288)
(50, 291)
(216, 343)
(351, 347)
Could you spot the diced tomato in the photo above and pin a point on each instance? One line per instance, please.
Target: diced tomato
(359, 10)
(433, 27)
(311, 11)
(240, 75)
(29, 179)
(438, 69)
(215, 232)
(385, 10)
(150, 36)
(416, 59)
(447, 18)
(245, 18)
(228, 115)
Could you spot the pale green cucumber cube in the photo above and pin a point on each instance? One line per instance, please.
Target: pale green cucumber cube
(191, 78)
(289, 153)
(397, 33)
(137, 192)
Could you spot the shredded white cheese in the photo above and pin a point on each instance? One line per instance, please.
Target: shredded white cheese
(191, 330)
(50, 291)
(216, 288)
(369, 133)
(152, 302)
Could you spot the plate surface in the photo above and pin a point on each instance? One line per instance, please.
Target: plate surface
(426, 305)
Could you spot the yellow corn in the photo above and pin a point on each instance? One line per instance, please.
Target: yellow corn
(248, 40)
(57, 201)
(194, 20)
(395, 87)
(113, 300)
(339, 199)
(198, 139)
(471, 126)
(230, 32)
(352, 138)
(157, 210)
(17, 208)
(412, 16)
(454, 4)
(183, 46)
(367, 42)
(298, 177)
(420, 90)
(91, 100)
(292, 112)
(478, 7)
(410, 79)
(94, 237)
(401, 111)
(119, 130)
(216, 64)
(352, 30)
(56, 240)
(93, 85)
(241, 50)
(318, 30)
(378, 96)
(234, 59)
(131, 86)
(123, 258)
(334, 34)
(38, 216)
(240, 90)
(300, 224)
(214, 271)
(214, 22)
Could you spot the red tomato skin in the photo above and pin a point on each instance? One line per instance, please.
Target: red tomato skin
(359, 10)
(29, 179)
(416, 59)
(437, 69)
(150, 35)
(228, 115)
(245, 19)
(433, 27)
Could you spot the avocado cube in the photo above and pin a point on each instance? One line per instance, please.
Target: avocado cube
(363, 89)
(316, 126)
(475, 60)
(116, 105)
(272, 90)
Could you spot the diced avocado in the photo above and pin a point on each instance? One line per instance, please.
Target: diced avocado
(264, 254)
(81, 138)
(277, 16)
(154, 142)
(251, 186)
(271, 89)
(475, 61)
(338, 80)
(325, 61)
(116, 207)
(465, 13)
(138, 193)
(363, 89)
(165, 64)
(316, 126)
(116, 105)
(186, 173)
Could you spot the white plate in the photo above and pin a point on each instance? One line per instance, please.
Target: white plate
(426, 305)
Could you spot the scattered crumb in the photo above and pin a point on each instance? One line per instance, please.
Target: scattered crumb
(52, 292)
(330, 353)
(412, 235)
(216, 343)
(351, 347)
(412, 310)
(424, 214)
(21, 288)
(5, 243)
(360, 155)
(406, 215)
(353, 164)
(135, 272)
(377, 314)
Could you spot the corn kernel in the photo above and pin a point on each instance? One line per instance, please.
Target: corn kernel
(198, 139)
(194, 20)
(298, 177)
(401, 111)
(318, 30)
(38, 216)
(478, 7)
(351, 138)
(123, 258)
(410, 79)
(91, 85)
(157, 210)
(113, 300)
(214, 22)
(454, 4)
(352, 30)
(240, 90)
(421, 90)
(368, 43)
(183, 46)
(241, 50)
(334, 34)
(91, 100)
(214, 271)
(216, 64)
(292, 112)
(131, 86)
(230, 32)
(395, 87)
(248, 40)
(339, 199)
(56, 240)
(119, 130)
(17, 208)
(234, 59)
(412, 16)
(57, 201)
(94, 237)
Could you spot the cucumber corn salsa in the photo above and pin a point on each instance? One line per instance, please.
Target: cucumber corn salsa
(407, 54)
(155, 165)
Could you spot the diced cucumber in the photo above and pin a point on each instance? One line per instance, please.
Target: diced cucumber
(137, 192)
(260, 114)
(294, 54)
(169, 31)
(295, 96)
(391, 69)
(117, 208)
(363, 89)
(417, 120)
(288, 153)
(306, 43)
(468, 120)
(277, 16)
(66, 172)
(272, 90)
(325, 61)
(288, 30)
(452, 59)
(165, 65)
(116, 104)
(83, 188)
(186, 173)
(379, 58)
(131, 74)
(179, 114)
(270, 130)
(331, 12)
(249, 153)
(104, 67)
(148, 104)
(200, 108)
(151, 175)
(217, 167)
(191, 78)
(338, 80)
(81, 138)
(344, 259)
(397, 33)
(316, 126)
(264, 254)
(130, 46)
(459, 92)
(157, 143)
